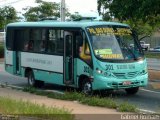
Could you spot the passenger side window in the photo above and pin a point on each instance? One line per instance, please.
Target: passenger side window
(56, 41)
(37, 40)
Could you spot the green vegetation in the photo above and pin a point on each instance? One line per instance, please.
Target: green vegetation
(43, 10)
(126, 107)
(92, 101)
(102, 102)
(152, 55)
(14, 107)
(1, 50)
(8, 14)
(141, 15)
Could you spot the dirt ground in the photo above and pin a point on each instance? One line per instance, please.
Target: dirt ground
(82, 112)
(154, 75)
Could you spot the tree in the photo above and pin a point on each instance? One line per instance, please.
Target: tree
(137, 13)
(43, 10)
(75, 16)
(8, 14)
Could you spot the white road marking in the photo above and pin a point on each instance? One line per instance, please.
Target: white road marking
(150, 91)
(147, 111)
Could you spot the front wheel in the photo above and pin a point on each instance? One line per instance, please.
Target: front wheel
(86, 87)
(132, 91)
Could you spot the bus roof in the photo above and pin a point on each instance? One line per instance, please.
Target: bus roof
(80, 24)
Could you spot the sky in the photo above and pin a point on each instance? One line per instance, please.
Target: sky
(84, 7)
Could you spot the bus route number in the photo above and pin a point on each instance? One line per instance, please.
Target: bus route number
(109, 67)
(86, 69)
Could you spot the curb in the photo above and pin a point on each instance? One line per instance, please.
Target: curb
(10, 86)
(21, 88)
(143, 111)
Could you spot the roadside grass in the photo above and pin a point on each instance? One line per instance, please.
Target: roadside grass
(21, 108)
(88, 100)
(126, 107)
(152, 55)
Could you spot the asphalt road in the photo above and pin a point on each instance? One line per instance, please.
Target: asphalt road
(6, 78)
(145, 99)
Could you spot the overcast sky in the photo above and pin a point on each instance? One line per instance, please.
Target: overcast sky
(84, 7)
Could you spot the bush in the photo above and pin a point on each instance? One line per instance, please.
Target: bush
(126, 107)
(1, 50)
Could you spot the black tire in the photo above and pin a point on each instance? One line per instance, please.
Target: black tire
(86, 87)
(32, 82)
(132, 91)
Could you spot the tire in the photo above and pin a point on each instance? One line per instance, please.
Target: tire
(32, 82)
(132, 91)
(86, 87)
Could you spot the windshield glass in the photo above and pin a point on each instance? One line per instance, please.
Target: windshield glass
(114, 42)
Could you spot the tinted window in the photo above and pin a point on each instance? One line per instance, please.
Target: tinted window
(9, 39)
(56, 41)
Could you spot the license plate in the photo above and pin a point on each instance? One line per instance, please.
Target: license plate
(126, 82)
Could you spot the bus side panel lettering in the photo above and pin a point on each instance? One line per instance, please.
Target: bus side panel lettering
(44, 62)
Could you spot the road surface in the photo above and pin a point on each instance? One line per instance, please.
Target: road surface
(153, 63)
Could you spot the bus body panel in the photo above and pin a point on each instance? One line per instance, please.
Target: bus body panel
(49, 77)
(52, 68)
(9, 57)
(83, 68)
(114, 75)
(42, 62)
(9, 61)
(102, 83)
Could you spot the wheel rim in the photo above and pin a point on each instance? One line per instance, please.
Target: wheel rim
(87, 88)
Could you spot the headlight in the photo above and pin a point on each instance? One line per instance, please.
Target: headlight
(99, 71)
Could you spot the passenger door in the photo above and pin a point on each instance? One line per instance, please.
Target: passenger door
(17, 54)
(68, 58)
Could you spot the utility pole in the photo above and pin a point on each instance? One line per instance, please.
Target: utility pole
(62, 13)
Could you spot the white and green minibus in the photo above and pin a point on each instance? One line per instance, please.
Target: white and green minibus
(87, 55)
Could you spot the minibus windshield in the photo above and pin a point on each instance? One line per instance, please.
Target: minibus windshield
(114, 42)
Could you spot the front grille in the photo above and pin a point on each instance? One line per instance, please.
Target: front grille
(119, 75)
(125, 75)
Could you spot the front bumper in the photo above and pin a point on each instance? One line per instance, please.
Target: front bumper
(102, 83)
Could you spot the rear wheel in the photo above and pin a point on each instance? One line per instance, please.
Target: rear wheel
(32, 82)
(132, 91)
